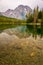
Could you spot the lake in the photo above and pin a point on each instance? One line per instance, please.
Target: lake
(31, 29)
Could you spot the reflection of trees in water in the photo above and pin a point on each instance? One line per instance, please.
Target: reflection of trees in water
(36, 30)
(41, 29)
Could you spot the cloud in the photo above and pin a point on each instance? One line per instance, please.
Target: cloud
(12, 4)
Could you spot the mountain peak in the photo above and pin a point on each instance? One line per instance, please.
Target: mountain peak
(19, 12)
(21, 6)
(9, 10)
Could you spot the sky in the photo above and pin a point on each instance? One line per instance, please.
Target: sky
(12, 4)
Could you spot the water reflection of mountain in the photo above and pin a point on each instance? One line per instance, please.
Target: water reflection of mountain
(28, 29)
